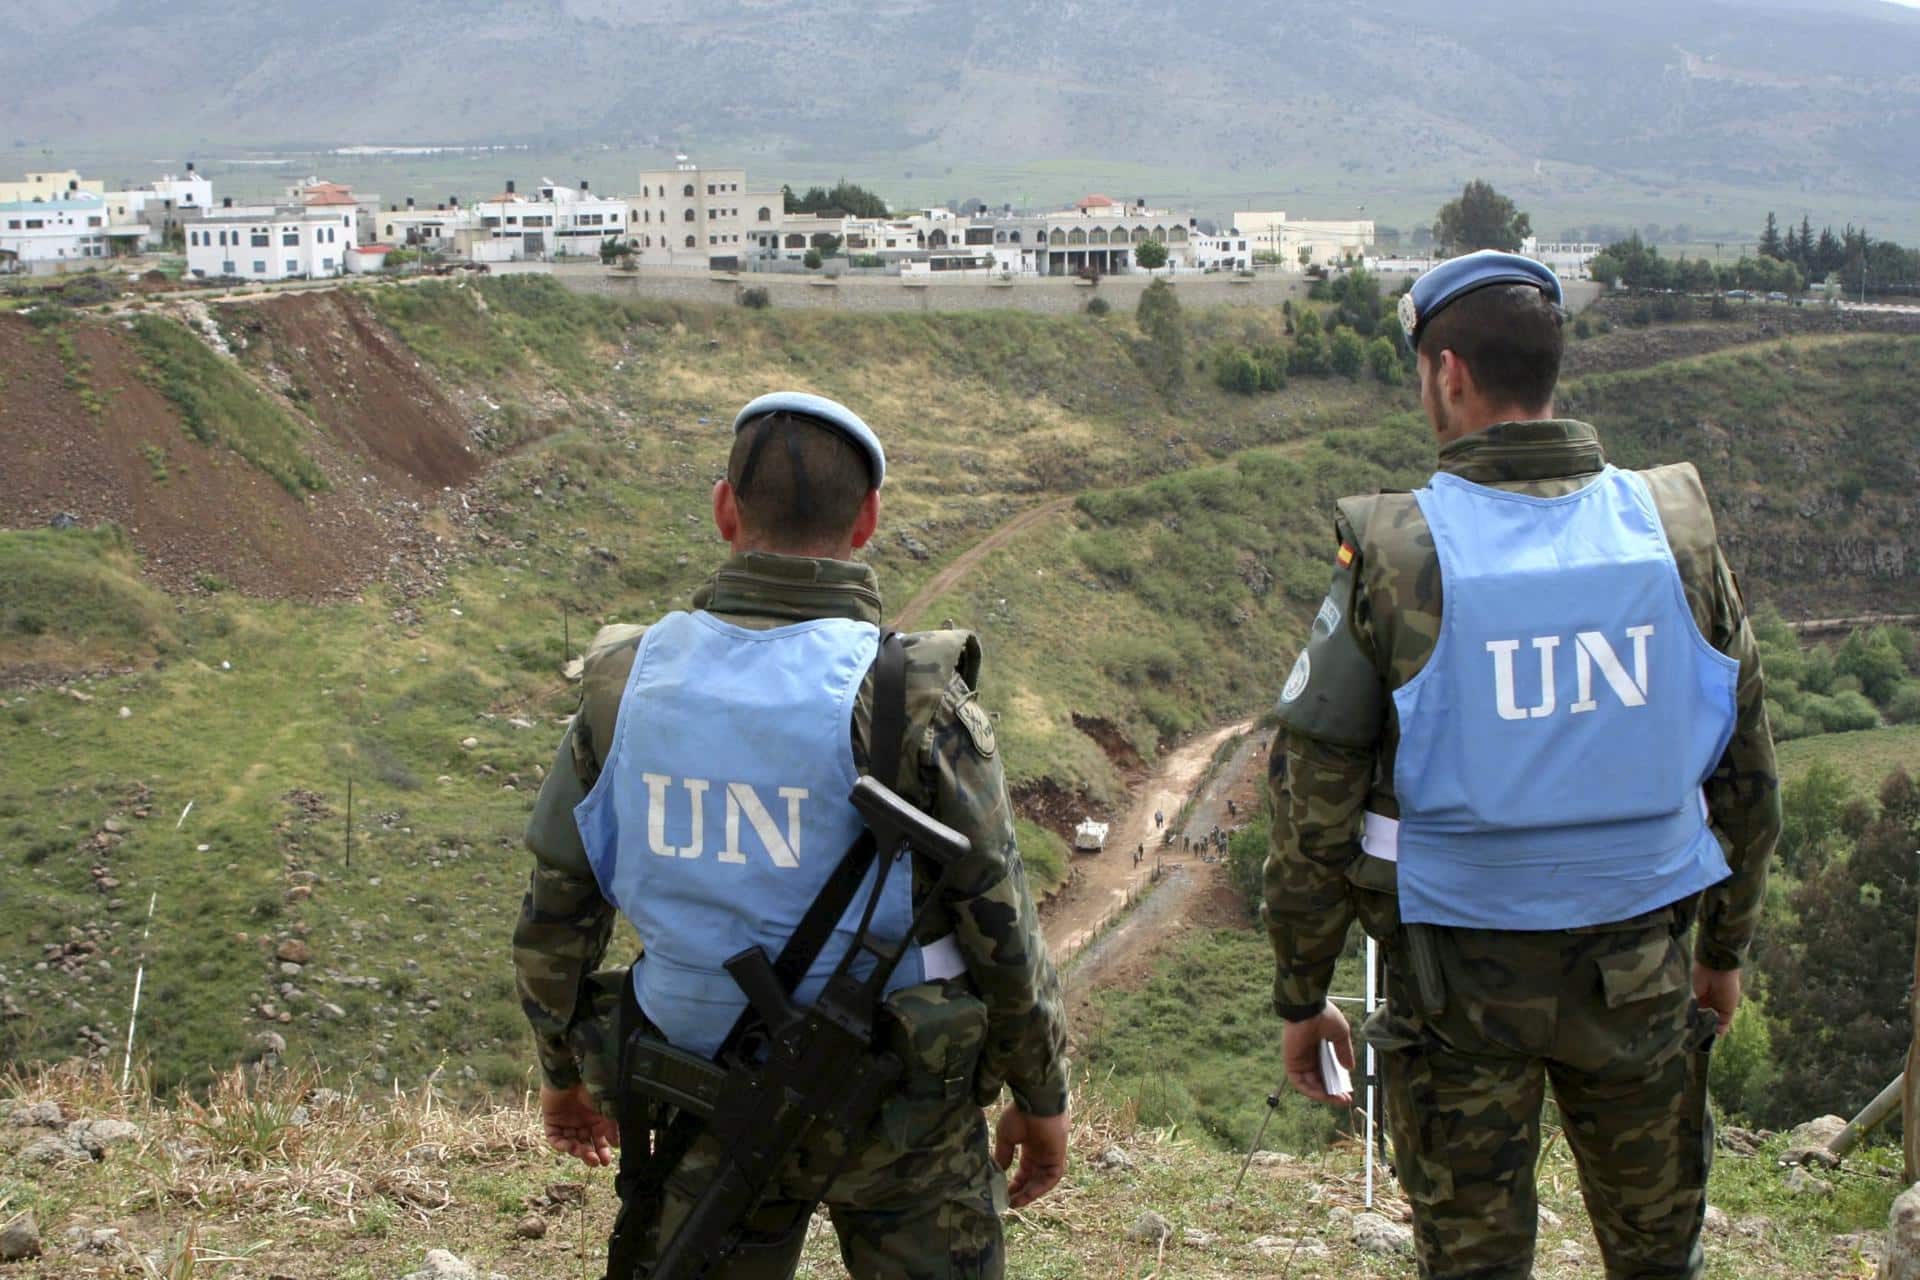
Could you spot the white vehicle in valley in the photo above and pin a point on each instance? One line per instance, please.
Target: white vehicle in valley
(1090, 836)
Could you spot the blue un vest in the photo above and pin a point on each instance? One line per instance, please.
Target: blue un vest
(721, 809)
(1552, 750)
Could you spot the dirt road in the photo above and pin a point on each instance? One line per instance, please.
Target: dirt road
(1109, 880)
(963, 564)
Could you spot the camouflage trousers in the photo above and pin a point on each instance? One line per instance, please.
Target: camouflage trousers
(1606, 1016)
(917, 1197)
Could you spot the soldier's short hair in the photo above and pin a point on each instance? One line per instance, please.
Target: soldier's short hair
(1510, 336)
(795, 480)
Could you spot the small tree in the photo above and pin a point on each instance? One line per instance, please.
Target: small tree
(1481, 218)
(1163, 356)
(1150, 254)
(811, 260)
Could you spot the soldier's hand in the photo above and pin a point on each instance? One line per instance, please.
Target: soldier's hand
(575, 1127)
(1718, 990)
(1300, 1050)
(1042, 1141)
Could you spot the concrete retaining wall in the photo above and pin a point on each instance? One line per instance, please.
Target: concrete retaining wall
(875, 294)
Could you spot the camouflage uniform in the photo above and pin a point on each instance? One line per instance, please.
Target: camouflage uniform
(920, 1195)
(1475, 1019)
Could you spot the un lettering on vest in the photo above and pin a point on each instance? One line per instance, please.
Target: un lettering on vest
(1592, 651)
(743, 801)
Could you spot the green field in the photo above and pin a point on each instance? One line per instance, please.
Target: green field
(1864, 758)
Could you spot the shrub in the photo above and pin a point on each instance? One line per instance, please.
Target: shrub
(1383, 361)
(1348, 354)
(812, 260)
(1581, 328)
(755, 299)
(1309, 353)
(1235, 369)
(1904, 706)
(1098, 306)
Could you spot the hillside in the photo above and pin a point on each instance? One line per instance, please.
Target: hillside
(1716, 110)
(275, 1177)
(375, 532)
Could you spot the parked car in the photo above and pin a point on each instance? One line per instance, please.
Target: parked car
(1777, 296)
(1741, 294)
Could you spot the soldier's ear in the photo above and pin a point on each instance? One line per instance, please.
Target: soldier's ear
(1455, 378)
(726, 511)
(868, 520)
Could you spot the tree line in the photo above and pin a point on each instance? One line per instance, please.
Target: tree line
(1853, 259)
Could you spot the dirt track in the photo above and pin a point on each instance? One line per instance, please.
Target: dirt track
(963, 564)
(1107, 881)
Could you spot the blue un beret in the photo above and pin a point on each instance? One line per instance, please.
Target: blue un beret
(828, 413)
(1457, 277)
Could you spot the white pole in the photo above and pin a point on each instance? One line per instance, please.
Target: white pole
(139, 979)
(183, 815)
(1372, 1101)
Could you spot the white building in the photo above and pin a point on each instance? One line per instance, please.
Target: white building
(445, 228)
(1566, 259)
(271, 241)
(163, 205)
(1299, 243)
(51, 231)
(712, 219)
(1229, 251)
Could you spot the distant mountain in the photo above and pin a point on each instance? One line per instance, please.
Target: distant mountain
(1793, 95)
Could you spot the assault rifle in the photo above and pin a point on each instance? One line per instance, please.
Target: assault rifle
(800, 1072)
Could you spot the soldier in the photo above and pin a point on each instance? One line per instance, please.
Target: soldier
(1529, 797)
(760, 705)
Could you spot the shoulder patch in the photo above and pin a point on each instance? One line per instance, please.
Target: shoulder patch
(979, 726)
(1298, 680)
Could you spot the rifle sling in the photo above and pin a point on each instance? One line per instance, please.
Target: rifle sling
(643, 1174)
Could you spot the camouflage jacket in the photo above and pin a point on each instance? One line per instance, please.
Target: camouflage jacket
(1334, 759)
(949, 767)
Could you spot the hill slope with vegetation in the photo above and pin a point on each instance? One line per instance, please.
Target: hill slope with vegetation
(385, 518)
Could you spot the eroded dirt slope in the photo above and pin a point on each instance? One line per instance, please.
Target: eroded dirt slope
(85, 433)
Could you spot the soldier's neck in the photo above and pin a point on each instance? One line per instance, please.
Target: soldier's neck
(1472, 419)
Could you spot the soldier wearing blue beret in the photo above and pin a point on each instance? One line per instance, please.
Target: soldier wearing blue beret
(702, 792)
(1527, 746)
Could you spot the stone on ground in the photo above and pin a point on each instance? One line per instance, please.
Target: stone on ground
(20, 1240)
(1901, 1261)
(1376, 1234)
(1151, 1227)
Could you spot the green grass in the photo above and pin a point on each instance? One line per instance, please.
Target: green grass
(75, 595)
(220, 408)
(1211, 996)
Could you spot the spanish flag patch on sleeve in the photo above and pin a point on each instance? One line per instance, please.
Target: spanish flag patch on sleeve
(1345, 557)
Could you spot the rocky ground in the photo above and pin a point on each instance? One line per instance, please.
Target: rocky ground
(275, 1177)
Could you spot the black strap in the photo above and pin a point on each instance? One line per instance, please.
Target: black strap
(643, 1174)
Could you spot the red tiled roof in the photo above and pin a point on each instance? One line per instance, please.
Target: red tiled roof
(1094, 201)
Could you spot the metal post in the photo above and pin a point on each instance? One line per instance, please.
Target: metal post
(349, 823)
(139, 980)
(1373, 1101)
(1885, 1103)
